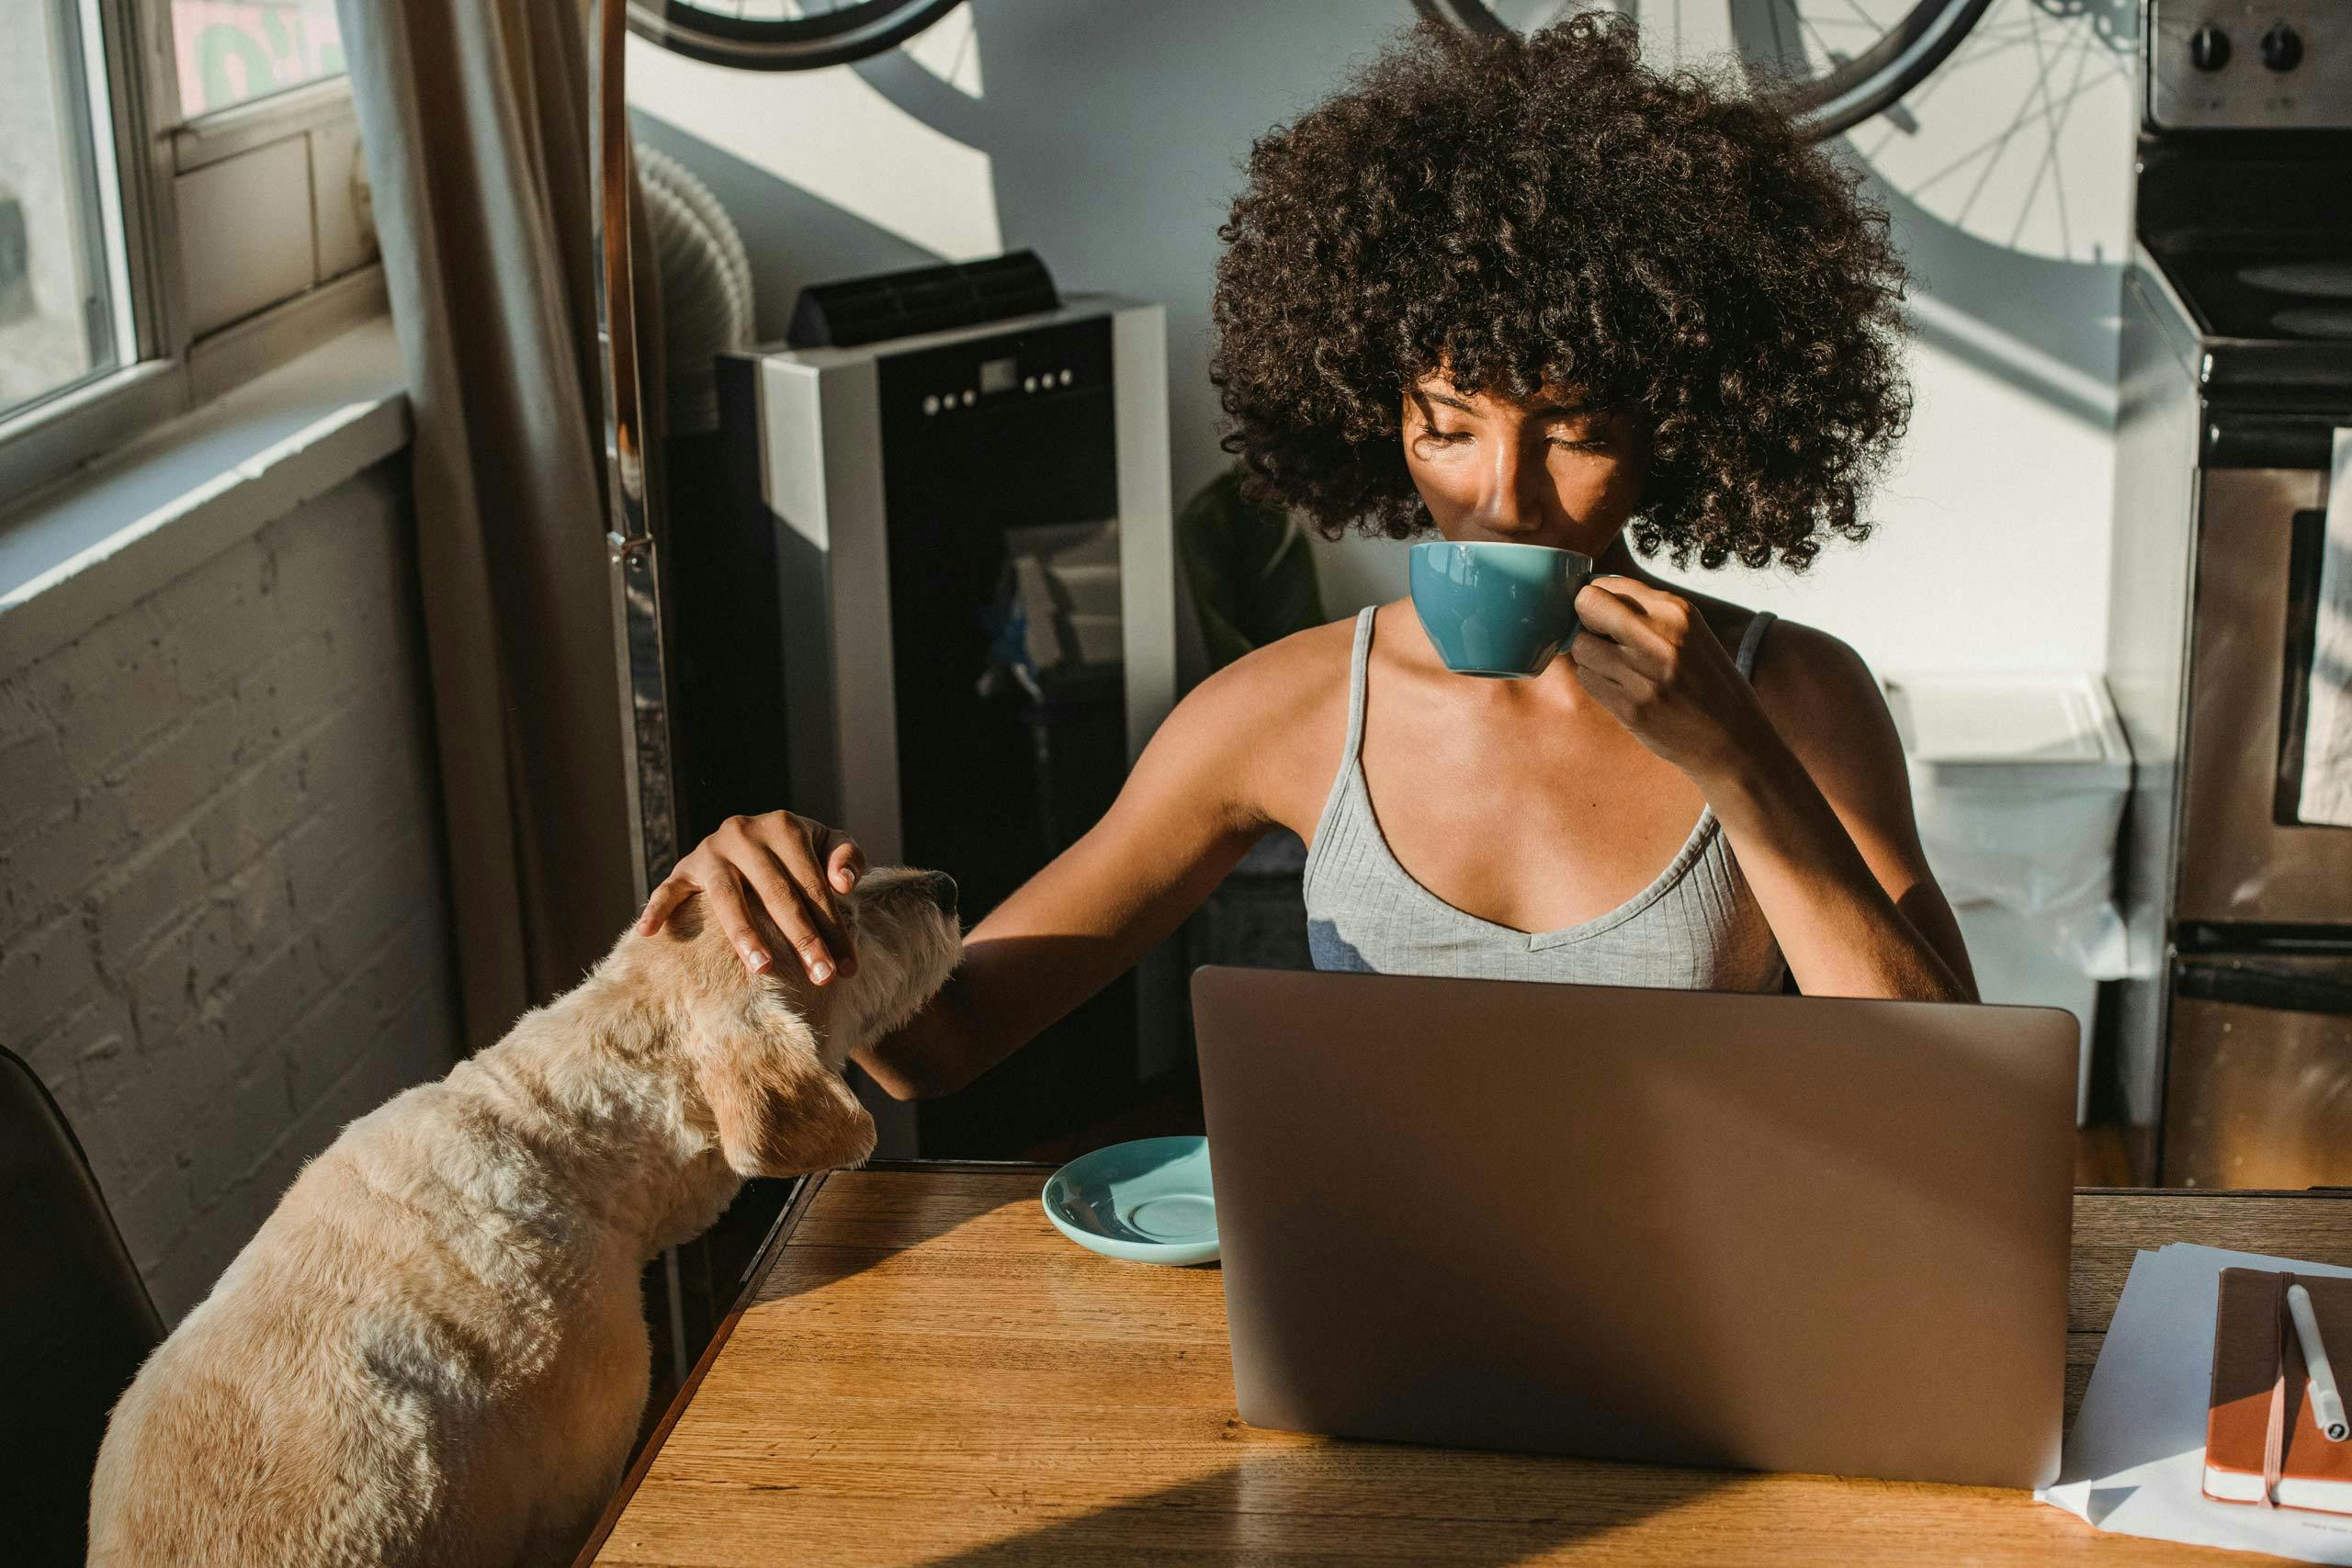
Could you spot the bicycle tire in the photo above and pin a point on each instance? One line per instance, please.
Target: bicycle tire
(853, 32)
(1869, 84)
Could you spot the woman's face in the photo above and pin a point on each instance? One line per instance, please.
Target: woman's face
(1547, 472)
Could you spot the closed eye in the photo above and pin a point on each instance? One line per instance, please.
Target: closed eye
(1449, 437)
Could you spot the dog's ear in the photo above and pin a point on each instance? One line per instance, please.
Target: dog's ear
(781, 1111)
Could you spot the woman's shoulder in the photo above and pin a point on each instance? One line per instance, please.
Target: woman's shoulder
(1803, 668)
(1812, 682)
(1271, 690)
(1272, 720)
(1274, 687)
(1796, 662)
(1825, 702)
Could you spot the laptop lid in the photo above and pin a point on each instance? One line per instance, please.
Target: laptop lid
(1776, 1232)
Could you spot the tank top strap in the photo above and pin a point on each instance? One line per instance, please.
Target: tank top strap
(1757, 624)
(1358, 662)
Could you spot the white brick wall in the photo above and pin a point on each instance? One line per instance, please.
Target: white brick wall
(223, 928)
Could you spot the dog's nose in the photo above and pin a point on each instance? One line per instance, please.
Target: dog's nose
(942, 888)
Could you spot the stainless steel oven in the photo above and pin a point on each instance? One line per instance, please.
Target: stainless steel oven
(2246, 856)
(2235, 1031)
(2258, 1073)
(2258, 1083)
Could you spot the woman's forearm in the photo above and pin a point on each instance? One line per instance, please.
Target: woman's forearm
(1007, 990)
(1837, 926)
(1072, 929)
(936, 1052)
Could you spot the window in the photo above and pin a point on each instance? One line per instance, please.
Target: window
(60, 276)
(182, 206)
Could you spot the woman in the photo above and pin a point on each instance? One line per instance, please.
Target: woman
(1511, 291)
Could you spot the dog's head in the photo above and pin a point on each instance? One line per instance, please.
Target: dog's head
(766, 1051)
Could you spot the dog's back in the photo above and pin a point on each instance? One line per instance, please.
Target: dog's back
(386, 1374)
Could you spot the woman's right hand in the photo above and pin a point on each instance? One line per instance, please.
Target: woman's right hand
(794, 867)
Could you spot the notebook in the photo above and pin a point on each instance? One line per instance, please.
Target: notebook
(2251, 1339)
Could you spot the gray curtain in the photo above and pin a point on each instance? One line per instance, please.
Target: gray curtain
(475, 115)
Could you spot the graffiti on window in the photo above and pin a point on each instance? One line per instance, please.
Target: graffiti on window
(230, 52)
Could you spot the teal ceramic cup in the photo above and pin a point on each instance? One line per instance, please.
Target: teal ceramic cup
(1495, 609)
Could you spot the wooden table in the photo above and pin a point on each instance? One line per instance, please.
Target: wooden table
(923, 1371)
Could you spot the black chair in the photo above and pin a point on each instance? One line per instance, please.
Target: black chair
(75, 1322)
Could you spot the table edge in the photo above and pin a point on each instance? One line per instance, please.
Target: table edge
(803, 1193)
(2337, 1193)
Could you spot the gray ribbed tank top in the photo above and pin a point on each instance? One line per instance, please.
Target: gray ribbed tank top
(1696, 927)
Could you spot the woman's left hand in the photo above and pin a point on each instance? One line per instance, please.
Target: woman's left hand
(1651, 659)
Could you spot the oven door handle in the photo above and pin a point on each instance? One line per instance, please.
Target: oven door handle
(2251, 987)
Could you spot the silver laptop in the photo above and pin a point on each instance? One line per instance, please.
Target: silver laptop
(1774, 1233)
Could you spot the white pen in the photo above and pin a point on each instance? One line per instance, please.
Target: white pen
(2327, 1405)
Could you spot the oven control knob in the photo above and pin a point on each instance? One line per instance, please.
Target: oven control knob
(2282, 48)
(2208, 48)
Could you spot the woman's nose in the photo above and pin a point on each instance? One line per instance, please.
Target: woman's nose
(1511, 501)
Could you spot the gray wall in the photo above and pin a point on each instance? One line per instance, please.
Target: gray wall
(223, 930)
(1109, 136)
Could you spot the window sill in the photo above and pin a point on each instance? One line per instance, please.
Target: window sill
(240, 128)
(99, 541)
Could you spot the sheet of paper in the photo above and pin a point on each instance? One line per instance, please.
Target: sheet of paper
(2135, 1458)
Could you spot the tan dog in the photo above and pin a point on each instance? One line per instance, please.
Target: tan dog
(433, 1352)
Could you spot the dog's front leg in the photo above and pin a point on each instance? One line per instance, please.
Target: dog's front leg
(590, 1424)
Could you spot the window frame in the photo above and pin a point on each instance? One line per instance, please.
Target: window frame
(166, 366)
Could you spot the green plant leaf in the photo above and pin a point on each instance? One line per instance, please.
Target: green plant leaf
(1249, 568)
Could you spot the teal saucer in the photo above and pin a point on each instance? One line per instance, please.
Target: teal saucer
(1148, 1201)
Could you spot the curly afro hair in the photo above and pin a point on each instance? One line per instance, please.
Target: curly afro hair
(1547, 210)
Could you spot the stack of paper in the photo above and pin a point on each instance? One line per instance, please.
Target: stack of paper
(2135, 1457)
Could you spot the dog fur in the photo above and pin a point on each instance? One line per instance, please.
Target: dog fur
(433, 1352)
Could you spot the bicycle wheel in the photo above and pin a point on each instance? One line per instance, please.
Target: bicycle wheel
(1833, 63)
(781, 35)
